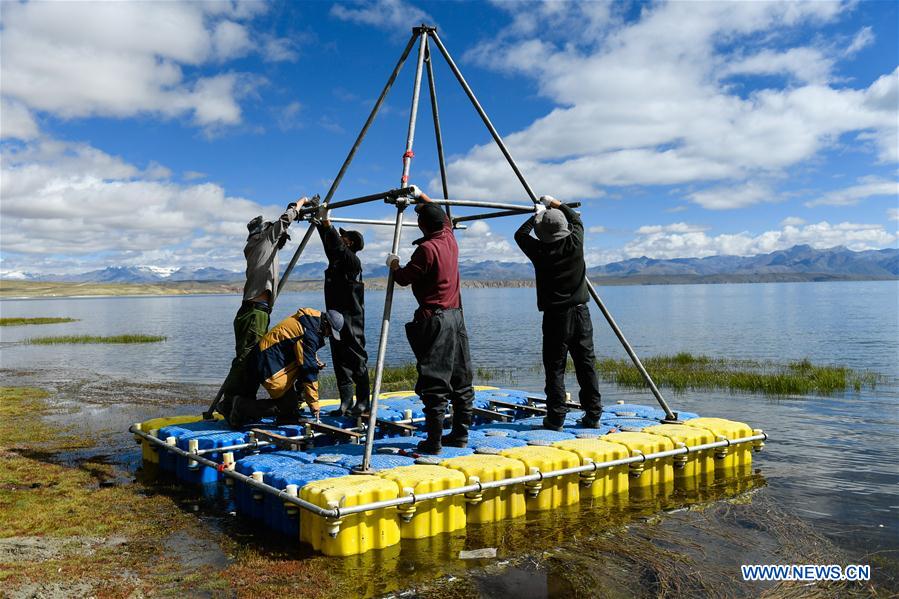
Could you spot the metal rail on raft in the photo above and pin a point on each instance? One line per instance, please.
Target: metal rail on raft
(475, 486)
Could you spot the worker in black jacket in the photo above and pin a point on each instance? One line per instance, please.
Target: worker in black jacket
(345, 293)
(562, 296)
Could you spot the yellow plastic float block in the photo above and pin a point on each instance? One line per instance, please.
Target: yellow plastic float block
(553, 492)
(495, 504)
(735, 457)
(357, 533)
(652, 473)
(607, 481)
(428, 518)
(691, 468)
(148, 451)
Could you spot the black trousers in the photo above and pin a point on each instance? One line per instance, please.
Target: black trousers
(440, 345)
(351, 362)
(564, 332)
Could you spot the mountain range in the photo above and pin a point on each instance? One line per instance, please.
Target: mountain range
(836, 262)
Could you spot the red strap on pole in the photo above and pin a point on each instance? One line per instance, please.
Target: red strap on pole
(409, 154)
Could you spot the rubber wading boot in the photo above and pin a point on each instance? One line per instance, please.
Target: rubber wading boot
(458, 436)
(362, 407)
(431, 445)
(288, 412)
(588, 423)
(346, 401)
(550, 425)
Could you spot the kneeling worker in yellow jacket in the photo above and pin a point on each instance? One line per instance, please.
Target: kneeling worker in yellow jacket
(285, 362)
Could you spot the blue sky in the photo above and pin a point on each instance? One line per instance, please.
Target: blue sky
(148, 133)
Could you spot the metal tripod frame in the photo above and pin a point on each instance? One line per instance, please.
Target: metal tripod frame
(400, 198)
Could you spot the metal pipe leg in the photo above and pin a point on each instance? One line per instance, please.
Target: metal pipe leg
(397, 232)
(435, 113)
(630, 352)
(352, 154)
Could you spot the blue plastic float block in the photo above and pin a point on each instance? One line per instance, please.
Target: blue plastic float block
(632, 410)
(630, 424)
(274, 513)
(541, 436)
(590, 432)
(261, 462)
(379, 461)
(475, 434)
(506, 395)
(507, 428)
(167, 460)
(496, 443)
(205, 475)
(402, 404)
(332, 454)
(403, 443)
(687, 415)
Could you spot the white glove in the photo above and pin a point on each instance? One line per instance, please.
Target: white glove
(547, 200)
(391, 258)
(416, 192)
(538, 208)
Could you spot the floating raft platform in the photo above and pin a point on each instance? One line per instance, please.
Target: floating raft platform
(299, 480)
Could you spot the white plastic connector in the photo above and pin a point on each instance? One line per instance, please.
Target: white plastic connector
(291, 509)
(258, 477)
(474, 497)
(534, 487)
(636, 468)
(228, 464)
(333, 523)
(680, 460)
(721, 452)
(757, 445)
(588, 476)
(193, 446)
(407, 510)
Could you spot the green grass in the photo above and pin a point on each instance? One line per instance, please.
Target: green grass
(685, 371)
(69, 339)
(14, 322)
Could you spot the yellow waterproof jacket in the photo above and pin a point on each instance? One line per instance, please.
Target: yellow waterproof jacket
(287, 354)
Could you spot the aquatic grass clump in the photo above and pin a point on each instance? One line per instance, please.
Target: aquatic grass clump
(685, 371)
(85, 339)
(14, 322)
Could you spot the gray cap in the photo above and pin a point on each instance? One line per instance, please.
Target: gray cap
(551, 225)
(335, 319)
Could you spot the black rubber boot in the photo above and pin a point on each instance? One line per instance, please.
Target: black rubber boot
(458, 436)
(550, 425)
(432, 445)
(588, 423)
(362, 407)
(346, 401)
(288, 412)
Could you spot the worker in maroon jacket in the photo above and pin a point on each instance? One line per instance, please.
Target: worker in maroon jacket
(437, 332)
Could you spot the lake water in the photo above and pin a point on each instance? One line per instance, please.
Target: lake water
(832, 461)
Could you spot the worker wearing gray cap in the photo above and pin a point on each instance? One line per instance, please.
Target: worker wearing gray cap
(562, 296)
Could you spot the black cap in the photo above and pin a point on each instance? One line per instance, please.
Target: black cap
(355, 237)
(254, 226)
(431, 217)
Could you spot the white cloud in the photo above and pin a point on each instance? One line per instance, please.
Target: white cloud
(658, 241)
(122, 59)
(792, 221)
(16, 121)
(388, 14)
(893, 214)
(596, 229)
(478, 242)
(806, 65)
(727, 198)
(650, 102)
(64, 203)
(862, 39)
(851, 196)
